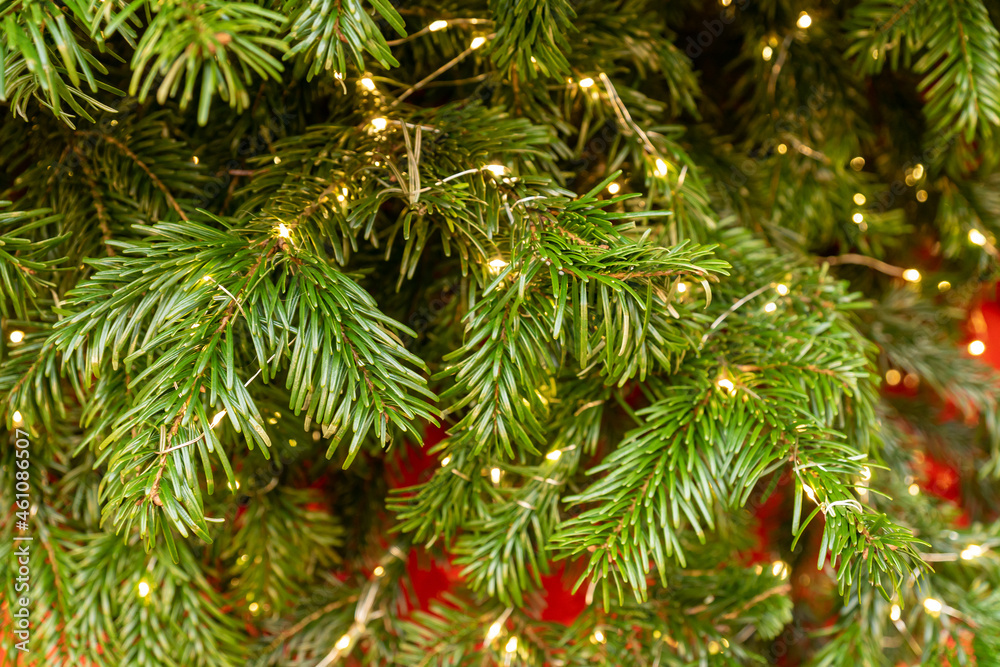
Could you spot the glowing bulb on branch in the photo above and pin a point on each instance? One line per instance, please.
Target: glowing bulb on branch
(554, 455)
(16, 336)
(496, 169)
(781, 289)
(368, 83)
(477, 42)
(379, 123)
(143, 589)
(911, 276)
(972, 551)
(770, 307)
(511, 645)
(343, 642)
(804, 20)
(283, 231)
(727, 385)
(895, 612)
(586, 83)
(933, 606)
(977, 347)
(614, 188)
(493, 632)
(661, 167)
(496, 265)
(766, 53)
(976, 237)
(437, 25)
(495, 475)
(18, 417)
(859, 199)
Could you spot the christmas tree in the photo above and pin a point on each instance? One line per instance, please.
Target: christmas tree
(651, 329)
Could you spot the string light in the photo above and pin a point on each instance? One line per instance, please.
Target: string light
(682, 287)
(343, 642)
(496, 169)
(16, 336)
(586, 83)
(893, 377)
(859, 199)
(921, 195)
(770, 307)
(613, 188)
(194, 158)
(914, 490)
(661, 167)
(217, 418)
(781, 289)
(437, 25)
(254, 607)
(976, 237)
(379, 123)
(977, 347)
(804, 20)
(18, 418)
(809, 492)
(554, 455)
(911, 275)
(944, 286)
(368, 83)
(972, 551)
(496, 265)
(866, 473)
(725, 3)
(277, 160)
(858, 163)
(477, 42)
(727, 384)
(599, 637)
(495, 475)
(143, 589)
(378, 571)
(511, 645)
(858, 218)
(918, 172)
(894, 612)
(766, 53)
(283, 231)
(933, 606)
(445, 461)
(780, 569)
(782, 149)
(493, 632)
(231, 486)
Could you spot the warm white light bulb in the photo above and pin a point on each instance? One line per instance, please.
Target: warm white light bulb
(766, 53)
(477, 42)
(496, 265)
(972, 551)
(495, 475)
(977, 347)
(379, 123)
(859, 199)
(911, 275)
(613, 188)
(143, 589)
(368, 83)
(895, 612)
(283, 231)
(445, 461)
(18, 417)
(682, 287)
(586, 83)
(437, 25)
(770, 307)
(378, 571)
(976, 236)
(804, 20)
(599, 636)
(511, 645)
(554, 455)
(496, 169)
(493, 632)
(16, 336)
(781, 289)
(858, 218)
(217, 418)
(661, 167)
(727, 384)
(343, 642)
(933, 606)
